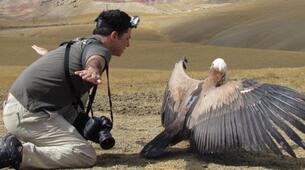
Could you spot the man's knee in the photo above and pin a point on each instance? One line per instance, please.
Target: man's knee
(86, 155)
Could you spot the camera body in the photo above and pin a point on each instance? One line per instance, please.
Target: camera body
(96, 129)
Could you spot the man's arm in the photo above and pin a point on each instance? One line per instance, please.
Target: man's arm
(94, 67)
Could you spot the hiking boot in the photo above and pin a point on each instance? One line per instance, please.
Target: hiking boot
(10, 152)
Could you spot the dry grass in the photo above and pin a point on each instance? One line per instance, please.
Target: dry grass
(134, 127)
(159, 55)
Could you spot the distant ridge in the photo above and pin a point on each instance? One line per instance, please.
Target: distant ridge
(261, 24)
(64, 8)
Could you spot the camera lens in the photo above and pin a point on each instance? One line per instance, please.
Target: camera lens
(106, 140)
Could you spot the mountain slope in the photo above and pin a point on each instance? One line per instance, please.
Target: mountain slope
(65, 8)
(263, 24)
(273, 24)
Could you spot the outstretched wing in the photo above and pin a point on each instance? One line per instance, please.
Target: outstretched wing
(180, 96)
(249, 115)
(178, 90)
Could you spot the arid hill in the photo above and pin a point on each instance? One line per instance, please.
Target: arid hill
(270, 24)
(263, 24)
(64, 8)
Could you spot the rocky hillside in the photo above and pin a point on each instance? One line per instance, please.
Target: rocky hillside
(63, 8)
(263, 24)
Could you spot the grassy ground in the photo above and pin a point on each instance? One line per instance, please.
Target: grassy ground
(160, 55)
(137, 96)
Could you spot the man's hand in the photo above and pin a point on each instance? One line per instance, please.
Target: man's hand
(40, 50)
(90, 75)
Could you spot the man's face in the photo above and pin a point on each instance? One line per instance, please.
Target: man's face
(120, 43)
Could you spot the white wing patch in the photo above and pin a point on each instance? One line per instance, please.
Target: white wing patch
(191, 100)
(247, 90)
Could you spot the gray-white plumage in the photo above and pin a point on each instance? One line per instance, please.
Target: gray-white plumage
(218, 115)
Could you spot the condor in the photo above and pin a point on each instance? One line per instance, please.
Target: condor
(218, 115)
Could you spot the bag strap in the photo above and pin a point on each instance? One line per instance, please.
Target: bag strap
(93, 91)
(68, 77)
(91, 99)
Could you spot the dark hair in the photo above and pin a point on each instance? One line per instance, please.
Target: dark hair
(112, 20)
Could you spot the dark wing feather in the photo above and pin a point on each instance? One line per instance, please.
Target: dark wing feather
(156, 146)
(179, 89)
(246, 114)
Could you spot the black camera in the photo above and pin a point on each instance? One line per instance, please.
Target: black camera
(96, 129)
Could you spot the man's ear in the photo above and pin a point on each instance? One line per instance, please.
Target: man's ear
(114, 35)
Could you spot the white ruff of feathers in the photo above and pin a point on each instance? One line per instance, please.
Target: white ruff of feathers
(220, 65)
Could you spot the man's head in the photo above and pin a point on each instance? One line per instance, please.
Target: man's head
(115, 28)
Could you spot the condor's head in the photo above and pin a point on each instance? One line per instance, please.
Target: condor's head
(218, 72)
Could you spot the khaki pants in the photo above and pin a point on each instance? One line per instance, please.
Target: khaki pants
(49, 140)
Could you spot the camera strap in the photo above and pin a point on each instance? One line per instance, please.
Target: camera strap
(93, 91)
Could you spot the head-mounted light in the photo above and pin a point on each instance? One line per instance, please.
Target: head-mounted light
(134, 21)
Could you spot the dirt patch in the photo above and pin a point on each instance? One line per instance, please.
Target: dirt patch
(137, 121)
(131, 104)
